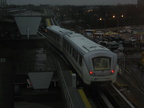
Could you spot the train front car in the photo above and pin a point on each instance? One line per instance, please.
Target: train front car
(101, 67)
(93, 63)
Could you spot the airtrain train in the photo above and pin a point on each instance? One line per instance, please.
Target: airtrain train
(92, 62)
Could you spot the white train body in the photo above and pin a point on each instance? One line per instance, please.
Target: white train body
(92, 62)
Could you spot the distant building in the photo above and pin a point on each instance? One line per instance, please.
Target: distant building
(3, 3)
(140, 2)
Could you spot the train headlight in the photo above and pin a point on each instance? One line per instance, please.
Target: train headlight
(112, 71)
(91, 73)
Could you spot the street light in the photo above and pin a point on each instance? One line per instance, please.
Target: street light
(122, 16)
(100, 19)
(117, 19)
(103, 20)
(113, 16)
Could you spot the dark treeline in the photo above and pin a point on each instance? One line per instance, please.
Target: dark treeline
(101, 16)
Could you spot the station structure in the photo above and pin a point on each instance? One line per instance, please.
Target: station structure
(140, 3)
(28, 24)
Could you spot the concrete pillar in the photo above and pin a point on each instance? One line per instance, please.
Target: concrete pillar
(6, 84)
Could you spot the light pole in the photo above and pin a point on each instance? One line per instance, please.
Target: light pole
(118, 20)
(104, 20)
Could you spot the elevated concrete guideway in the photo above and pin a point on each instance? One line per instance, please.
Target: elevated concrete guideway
(28, 24)
(75, 98)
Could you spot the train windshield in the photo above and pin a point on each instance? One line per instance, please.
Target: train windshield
(101, 63)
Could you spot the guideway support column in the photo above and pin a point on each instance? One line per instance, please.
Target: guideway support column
(6, 82)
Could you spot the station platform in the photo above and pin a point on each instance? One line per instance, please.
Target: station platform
(75, 98)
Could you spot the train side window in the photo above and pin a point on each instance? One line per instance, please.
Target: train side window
(64, 44)
(54, 36)
(70, 49)
(76, 55)
(80, 60)
(57, 38)
(50, 33)
(73, 52)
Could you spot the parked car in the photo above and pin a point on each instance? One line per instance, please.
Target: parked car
(132, 39)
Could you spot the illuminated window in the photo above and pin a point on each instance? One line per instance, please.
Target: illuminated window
(101, 63)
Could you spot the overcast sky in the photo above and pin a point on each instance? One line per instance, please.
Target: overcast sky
(72, 2)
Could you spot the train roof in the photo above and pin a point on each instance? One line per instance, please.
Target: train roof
(80, 42)
(84, 43)
(59, 30)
